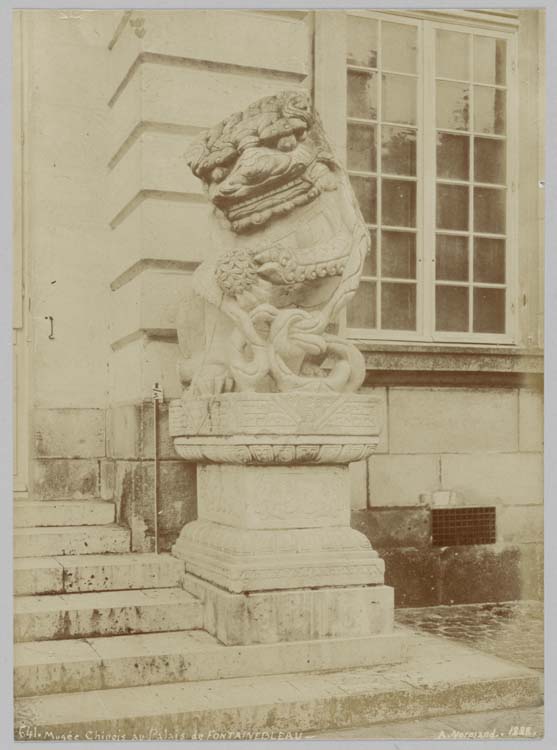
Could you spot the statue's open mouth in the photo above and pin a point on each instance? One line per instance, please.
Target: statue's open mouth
(258, 209)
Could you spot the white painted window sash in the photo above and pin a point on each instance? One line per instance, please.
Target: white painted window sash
(329, 60)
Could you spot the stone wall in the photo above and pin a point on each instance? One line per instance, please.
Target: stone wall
(484, 445)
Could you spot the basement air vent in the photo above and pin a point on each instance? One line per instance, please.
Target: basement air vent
(454, 526)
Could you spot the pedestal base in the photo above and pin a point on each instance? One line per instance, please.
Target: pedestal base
(293, 614)
(247, 560)
(272, 555)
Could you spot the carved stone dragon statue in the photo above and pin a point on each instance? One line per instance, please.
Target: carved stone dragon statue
(289, 246)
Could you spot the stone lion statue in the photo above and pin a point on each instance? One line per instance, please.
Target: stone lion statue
(289, 245)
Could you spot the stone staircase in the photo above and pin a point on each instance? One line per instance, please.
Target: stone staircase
(108, 641)
(76, 579)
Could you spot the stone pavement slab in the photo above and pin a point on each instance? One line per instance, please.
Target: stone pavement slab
(515, 723)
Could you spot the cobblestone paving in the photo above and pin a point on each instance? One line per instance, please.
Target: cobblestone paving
(511, 630)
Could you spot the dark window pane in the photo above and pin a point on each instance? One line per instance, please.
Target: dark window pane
(398, 255)
(361, 148)
(453, 156)
(399, 99)
(489, 310)
(399, 43)
(489, 110)
(399, 203)
(370, 262)
(362, 95)
(452, 207)
(489, 160)
(362, 41)
(489, 260)
(453, 55)
(365, 190)
(451, 308)
(361, 312)
(489, 60)
(451, 258)
(453, 104)
(398, 151)
(489, 210)
(398, 307)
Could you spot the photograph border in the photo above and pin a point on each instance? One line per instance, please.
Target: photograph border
(550, 409)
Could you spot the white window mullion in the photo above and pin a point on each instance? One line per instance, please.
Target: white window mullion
(379, 184)
(428, 180)
(512, 191)
(471, 188)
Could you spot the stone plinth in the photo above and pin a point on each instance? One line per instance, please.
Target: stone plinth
(272, 554)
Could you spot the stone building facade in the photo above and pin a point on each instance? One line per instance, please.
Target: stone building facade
(439, 118)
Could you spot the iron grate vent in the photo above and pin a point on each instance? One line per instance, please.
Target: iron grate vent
(455, 526)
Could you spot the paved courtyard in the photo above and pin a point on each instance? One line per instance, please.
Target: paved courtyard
(511, 630)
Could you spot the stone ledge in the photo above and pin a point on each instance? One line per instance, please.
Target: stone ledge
(470, 359)
(456, 368)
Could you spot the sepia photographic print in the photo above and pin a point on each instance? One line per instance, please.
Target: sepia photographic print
(278, 366)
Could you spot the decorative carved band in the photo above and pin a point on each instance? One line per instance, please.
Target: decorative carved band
(265, 454)
(277, 414)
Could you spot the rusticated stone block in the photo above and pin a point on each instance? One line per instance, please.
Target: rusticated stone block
(448, 420)
(394, 527)
(135, 498)
(69, 433)
(464, 575)
(479, 573)
(401, 479)
(177, 500)
(107, 478)
(520, 524)
(65, 478)
(530, 420)
(414, 574)
(495, 477)
(131, 433)
(531, 571)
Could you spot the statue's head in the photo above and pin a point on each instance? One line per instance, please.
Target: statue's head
(265, 161)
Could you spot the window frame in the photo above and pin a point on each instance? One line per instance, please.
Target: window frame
(337, 121)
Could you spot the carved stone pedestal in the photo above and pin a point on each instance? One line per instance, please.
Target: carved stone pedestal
(272, 554)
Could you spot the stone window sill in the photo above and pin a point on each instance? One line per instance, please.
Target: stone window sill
(386, 356)
(432, 364)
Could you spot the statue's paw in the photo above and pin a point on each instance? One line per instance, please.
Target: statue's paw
(212, 380)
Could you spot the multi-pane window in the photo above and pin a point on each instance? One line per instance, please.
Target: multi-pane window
(381, 157)
(427, 127)
(470, 288)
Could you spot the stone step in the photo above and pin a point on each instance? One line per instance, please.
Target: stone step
(43, 667)
(38, 618)
(46, 541)
(441, 678)
(62, 513)
(69, 574)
